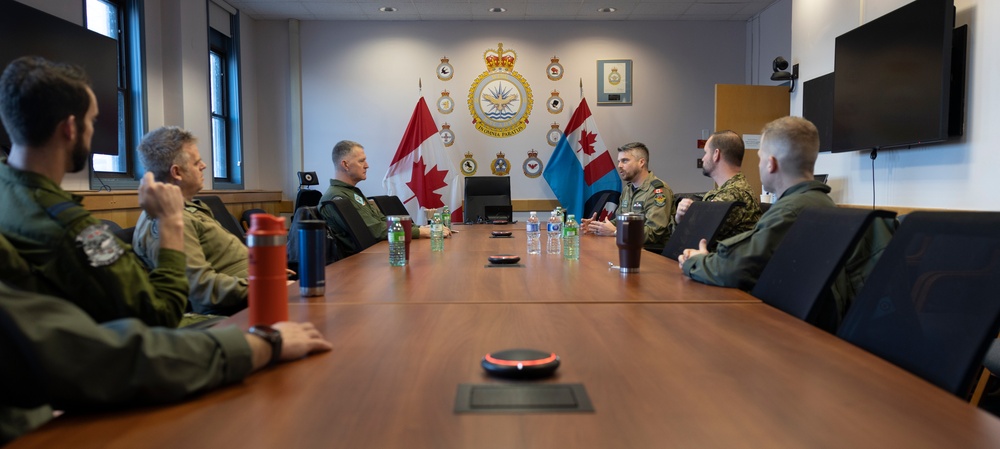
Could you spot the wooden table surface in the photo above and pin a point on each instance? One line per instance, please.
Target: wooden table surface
(659, 375)
(462, 273)
(723, 372)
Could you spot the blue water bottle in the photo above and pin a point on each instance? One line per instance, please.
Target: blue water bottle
(312, 257)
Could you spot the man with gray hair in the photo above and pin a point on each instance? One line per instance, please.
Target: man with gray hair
(217, 264)
(788, 150)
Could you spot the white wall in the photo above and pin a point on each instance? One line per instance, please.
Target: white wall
(769, 34)
(954, 175)
(359, 82)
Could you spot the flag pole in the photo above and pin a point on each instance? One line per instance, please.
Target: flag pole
(581, 88)
(420, 86)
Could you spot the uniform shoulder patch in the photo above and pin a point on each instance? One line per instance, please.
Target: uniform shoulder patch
(656, 183)
(100, 245)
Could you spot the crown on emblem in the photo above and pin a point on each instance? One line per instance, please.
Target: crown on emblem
(555, 59)
(532, 153)
(444, 59)
(446, 126)
(555, 125)
(445, 93)
(468, 155)
(555, 93)
(500, 155)
(500, 59)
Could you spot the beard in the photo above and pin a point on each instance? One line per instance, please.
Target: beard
(80, 155)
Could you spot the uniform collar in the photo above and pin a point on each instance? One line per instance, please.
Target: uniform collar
(33, 180)
(805, 186)
(339, 183)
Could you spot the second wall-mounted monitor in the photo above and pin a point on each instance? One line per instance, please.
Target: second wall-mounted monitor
(817, 107)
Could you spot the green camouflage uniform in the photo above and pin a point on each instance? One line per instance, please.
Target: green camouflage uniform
(373, 217)
(657, 205)
(217, 266)
(75, 258)
(741, 218)
(77, 364)
(739, 260)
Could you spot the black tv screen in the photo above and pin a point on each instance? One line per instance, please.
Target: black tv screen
(817, 107)
(482, 191)
(893, 78)
(27, 31)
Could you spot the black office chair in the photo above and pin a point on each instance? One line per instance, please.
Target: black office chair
(599, 203)
(112, 226)
(764, 207)
(358, 231)
(930, 305)
(702, 221)
(245, 218)
(307, 197)
(222, 215)
(798, 277)
(390, 205)
(125, 234)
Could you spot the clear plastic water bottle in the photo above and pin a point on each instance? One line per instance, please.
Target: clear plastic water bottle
(554, 234)
(571, 239)
(534, 234)
(446, 217)
(437, 233)
(397, 243)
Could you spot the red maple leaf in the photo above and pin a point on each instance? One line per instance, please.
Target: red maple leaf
(587, 140)
(424, 184)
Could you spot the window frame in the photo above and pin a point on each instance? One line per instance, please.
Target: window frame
(132, 88)
(229, 48)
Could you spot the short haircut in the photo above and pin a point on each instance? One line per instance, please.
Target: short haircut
(730, 146)
(36, 94)
(342, 149)
(638, 149)
(794, 142)
(163, 147)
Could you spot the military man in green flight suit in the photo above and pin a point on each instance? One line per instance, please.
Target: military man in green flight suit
(48, 110)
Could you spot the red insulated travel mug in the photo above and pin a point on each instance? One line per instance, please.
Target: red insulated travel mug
(268, 299)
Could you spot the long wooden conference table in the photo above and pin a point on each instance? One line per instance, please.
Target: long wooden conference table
(666, 362)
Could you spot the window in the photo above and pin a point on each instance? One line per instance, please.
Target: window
(224, 104)
(121, 20)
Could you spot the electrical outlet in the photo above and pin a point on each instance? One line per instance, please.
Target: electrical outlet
(699, 163)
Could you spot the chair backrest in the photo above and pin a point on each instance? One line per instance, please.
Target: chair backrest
(797, 279)
(764, 207)
(390, 205)
(112, 226)
(245, 219)
(307, 197)
(702, 221)
(930, 304)
(360, 235)
(222, 215)
(125, 234)
(600, 202)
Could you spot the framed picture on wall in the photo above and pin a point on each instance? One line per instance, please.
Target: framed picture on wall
(614, 81)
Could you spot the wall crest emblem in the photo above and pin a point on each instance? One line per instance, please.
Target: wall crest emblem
(500, 166)
(555, 70)
(444, 70)
(445, 103)
(469, 164)
(500, 99)
(447, 135)
(532, 165)
(553, 134)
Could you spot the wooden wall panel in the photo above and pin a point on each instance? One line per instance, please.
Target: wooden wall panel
(746, 109)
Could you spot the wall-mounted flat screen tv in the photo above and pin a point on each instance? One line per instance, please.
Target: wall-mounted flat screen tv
(893, 79)
(817, 107)
(27, 31)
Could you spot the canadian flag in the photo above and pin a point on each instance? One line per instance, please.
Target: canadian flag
(421, 174)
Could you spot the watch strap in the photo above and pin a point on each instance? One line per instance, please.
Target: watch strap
(272, 336)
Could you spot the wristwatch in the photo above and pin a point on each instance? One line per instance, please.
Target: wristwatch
(272, 336)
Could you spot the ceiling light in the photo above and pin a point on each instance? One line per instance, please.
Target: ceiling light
(609, 9)
(387, 9)
(498, 9)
